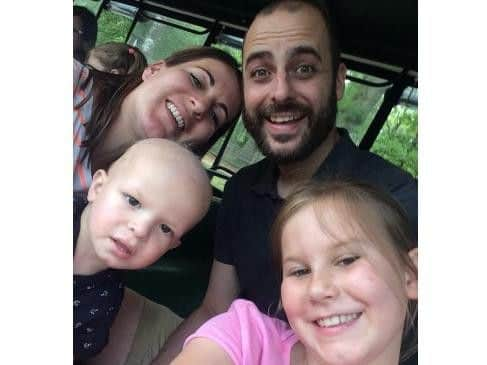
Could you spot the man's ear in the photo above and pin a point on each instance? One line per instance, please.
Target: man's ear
(99, 179)
(411, 278)
(153, 69)
(340, 80)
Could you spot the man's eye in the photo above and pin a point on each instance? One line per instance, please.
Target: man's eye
(259, 74)
(165, 228)
(348, 260)
(305, 70)
(195, 81)
(132, 201)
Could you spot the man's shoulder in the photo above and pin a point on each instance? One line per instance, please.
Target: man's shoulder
(376, 167)
(370, 167)
(251, 174)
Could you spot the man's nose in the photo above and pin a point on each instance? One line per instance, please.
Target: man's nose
(282, 88)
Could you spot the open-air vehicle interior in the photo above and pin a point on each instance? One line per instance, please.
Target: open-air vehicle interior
(379, 47)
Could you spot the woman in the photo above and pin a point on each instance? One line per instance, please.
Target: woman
(190, 97)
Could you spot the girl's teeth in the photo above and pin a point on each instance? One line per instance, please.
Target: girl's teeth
(336, 320)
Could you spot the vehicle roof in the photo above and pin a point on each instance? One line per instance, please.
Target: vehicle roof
(375, 35)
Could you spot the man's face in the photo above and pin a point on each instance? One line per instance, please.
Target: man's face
(289, 87)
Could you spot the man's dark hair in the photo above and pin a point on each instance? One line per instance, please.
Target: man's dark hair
(89, 24)
(324, 9)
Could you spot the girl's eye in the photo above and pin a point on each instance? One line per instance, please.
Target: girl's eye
(300, 272)
(195, 81)
(165, 228)
(346, 261)
(259, 74)
(132, 201)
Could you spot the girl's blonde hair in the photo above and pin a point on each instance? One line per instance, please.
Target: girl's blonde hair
(368, 210)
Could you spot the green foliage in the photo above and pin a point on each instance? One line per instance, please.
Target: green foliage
(398, 139)
(112, 27)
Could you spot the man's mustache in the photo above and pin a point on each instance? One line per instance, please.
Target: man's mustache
(290, 106)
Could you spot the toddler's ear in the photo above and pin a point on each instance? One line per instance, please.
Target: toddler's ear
(411, 278)
(99, 179)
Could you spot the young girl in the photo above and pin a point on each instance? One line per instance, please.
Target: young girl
(116, 58)
(348, 267)
(190, 97)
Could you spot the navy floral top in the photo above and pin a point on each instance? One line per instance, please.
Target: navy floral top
(96, 300)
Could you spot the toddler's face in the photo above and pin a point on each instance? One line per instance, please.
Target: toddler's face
(338, 293)
(138, 215)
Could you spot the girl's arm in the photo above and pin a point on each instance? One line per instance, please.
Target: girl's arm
(202, 351)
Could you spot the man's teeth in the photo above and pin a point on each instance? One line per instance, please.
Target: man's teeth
(283, 118)
(175, 113)
(336, 320)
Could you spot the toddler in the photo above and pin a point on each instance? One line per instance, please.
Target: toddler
(134, 213)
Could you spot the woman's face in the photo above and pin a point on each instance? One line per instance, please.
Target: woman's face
(186, 103)
(342, 297)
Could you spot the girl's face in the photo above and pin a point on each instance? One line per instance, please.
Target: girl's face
(344, 300)
(186, 102)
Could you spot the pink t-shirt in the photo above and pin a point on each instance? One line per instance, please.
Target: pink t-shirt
(248, 336)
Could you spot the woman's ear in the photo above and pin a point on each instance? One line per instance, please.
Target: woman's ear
(152, 69)
(99, 179)
(412, 278)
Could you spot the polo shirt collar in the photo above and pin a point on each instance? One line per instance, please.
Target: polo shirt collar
(339, 159)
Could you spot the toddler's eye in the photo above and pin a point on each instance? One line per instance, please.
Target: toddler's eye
(345, 261)
(195, 81)
(165, 228)
(132, 201)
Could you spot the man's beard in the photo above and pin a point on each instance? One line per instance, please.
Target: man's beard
(318, 129)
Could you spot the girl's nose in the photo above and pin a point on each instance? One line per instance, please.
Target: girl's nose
(322, 287)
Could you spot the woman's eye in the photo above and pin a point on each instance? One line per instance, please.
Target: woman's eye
(195, 81)
(259, 74)
(132, 201)
(165, 228)
(214, 118)
(346, 261)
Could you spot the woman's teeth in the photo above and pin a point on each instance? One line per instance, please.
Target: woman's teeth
(175, 113)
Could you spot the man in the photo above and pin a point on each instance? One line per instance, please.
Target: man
(85, 29)
(292, 81)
